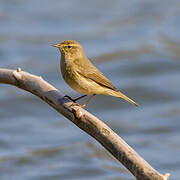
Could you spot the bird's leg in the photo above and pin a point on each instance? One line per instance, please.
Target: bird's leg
(74, 100)
(79, 98)
(88, 100)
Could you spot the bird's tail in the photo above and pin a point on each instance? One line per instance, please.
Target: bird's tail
(121, 95)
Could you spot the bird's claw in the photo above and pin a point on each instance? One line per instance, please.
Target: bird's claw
(69, 98)
(75, 103)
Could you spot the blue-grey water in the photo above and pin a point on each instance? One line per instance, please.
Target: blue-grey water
(135, 43)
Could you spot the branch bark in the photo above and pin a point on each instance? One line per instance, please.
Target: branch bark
(84, 120)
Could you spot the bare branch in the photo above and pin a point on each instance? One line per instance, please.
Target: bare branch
(84, 120)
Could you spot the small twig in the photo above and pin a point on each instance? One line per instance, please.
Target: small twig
(84, 120)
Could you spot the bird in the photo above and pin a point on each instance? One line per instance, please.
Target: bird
(82, 76)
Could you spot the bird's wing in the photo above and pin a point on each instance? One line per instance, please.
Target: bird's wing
(88, 70)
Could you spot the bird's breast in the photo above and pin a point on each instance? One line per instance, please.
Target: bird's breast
(67, 71)
(78, 82)
(72, 78)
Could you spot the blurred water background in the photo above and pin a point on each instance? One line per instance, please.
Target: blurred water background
(135, 43)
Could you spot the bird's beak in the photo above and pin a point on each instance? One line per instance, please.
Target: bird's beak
(56, 45)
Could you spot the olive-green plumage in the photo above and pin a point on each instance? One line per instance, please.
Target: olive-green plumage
(81, 75)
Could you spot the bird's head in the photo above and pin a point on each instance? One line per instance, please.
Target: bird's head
(70, 49)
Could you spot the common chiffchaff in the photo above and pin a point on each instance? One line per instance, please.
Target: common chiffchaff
(81, 75)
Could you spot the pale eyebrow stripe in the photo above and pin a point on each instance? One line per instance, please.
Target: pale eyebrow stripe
(75, 45)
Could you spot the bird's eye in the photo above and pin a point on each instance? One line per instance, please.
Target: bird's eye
(69, 47)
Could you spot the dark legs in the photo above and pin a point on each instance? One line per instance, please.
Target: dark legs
(74, 100)
(79, 98)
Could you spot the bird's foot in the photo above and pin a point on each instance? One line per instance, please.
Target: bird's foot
(73, 100)
(70, 98)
